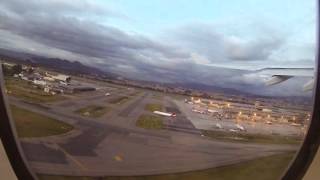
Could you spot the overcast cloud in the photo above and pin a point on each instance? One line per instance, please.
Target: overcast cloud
(73, 30)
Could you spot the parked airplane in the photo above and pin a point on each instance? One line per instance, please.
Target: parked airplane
(279, 75)
(165, 114)
(198, 111)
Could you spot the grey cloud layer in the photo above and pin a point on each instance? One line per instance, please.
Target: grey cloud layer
(56, 7)
(259, 49)
(60, 26)
(218, 47)
(80, 36)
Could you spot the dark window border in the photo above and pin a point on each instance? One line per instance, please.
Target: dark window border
(310, 145)
(9, 139)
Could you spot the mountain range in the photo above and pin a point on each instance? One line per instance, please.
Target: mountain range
(215, 79)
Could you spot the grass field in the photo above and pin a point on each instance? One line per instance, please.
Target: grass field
(118, 100)
(135, 93)
(94, 111)
(24, 90)
(30, 124)
(153, 107)
(178, 96)
(157, 96)
(251, 138)
(266, 168)
(149, 122)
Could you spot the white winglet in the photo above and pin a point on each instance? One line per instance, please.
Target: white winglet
(279, 75)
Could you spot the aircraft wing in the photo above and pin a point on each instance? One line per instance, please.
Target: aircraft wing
(279, 75)
(302, 72)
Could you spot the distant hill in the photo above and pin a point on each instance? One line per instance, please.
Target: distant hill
(180, 79)
(62, 65)
(306, 100)
(205, 87)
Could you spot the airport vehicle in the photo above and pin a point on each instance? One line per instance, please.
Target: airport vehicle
(219, 126)
(63, 83)
(165, 113)
(39, 82)
(212, 111)
(239, 127)
(268, 122)
(295, 124)
(234, 130)
(279, 75)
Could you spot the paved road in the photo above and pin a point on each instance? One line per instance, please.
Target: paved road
(180, 122)
(126, 111)
(112, 145)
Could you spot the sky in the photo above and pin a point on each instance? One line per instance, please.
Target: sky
(170, 41)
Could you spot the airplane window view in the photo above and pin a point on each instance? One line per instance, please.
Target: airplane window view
(180, 90)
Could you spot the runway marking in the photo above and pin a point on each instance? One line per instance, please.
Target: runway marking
(118, 158)
(78, 163)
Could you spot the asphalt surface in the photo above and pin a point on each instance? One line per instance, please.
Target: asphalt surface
(180, 122)
(208, 122)
(126, 111)
(112, 145)
(43, 153)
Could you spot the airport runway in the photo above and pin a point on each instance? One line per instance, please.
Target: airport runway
(112, 145)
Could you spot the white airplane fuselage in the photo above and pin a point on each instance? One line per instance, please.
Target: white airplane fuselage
(164, 113)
